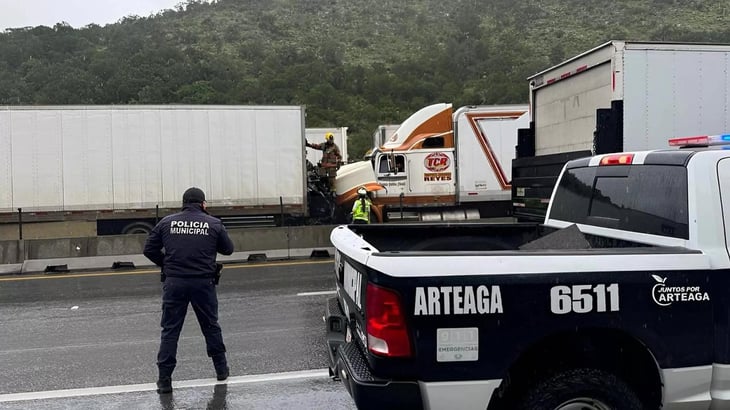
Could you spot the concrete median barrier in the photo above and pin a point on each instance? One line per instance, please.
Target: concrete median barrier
(100, 252)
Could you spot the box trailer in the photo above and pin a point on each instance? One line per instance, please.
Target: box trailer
(620, 96)
(123, 167)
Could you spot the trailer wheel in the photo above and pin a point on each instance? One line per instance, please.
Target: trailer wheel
(581, 389)
(137, 228)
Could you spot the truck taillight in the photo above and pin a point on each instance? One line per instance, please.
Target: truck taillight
(617, 159)
(386, 323)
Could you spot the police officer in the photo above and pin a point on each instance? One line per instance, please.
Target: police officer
(190, 239)
(331, 159)
(361, 207)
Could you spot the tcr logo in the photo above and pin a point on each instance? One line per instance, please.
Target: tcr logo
(436, 162)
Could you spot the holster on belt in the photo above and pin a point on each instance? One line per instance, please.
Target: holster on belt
(218, 269)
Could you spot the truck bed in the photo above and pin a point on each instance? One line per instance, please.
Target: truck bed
(448, 236)
(478, 237)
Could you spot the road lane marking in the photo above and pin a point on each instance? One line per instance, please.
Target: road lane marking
(149, 271)
(135, 388)
(324, 292)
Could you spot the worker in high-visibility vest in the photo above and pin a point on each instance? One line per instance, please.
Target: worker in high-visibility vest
(361, 207)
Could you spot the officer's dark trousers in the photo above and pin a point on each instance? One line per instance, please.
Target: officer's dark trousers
(177, 293)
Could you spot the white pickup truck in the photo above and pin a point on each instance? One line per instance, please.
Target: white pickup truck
(619, 300)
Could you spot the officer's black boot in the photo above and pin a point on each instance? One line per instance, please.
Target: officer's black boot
(222, 373)
(164, 385)
(221, 367)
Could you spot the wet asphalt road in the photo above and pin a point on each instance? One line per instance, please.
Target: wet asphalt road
(100, 330)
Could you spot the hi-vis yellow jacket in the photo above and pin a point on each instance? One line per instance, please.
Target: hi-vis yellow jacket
(361, 209)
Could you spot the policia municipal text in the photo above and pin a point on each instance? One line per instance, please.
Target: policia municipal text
(190, 239)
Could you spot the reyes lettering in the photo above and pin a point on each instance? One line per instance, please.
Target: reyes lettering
(189, 228)
(458, 300)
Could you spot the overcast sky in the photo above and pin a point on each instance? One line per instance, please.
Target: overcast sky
(77, 13)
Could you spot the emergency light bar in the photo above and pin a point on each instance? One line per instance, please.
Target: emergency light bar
(701, 140)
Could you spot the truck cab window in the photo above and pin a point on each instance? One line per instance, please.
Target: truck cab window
(387, 166)
(629, 202)
(383, 166)
(400, 163)
(433, 142)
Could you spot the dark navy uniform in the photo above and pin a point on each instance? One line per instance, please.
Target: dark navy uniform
(191, 239)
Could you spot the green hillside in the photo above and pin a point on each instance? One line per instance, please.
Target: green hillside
(352, 63)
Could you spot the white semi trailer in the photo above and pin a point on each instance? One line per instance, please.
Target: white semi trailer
(619, 96)
(120, 168)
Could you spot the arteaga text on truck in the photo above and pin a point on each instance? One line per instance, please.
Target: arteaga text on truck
(619, 300)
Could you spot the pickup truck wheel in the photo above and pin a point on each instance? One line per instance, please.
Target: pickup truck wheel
(581, 389)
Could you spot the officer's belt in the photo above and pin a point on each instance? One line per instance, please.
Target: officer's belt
(208, 276)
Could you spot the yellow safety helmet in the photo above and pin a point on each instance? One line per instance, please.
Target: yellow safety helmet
(329, 136)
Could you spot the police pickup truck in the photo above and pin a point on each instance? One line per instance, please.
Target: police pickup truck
(620, 300)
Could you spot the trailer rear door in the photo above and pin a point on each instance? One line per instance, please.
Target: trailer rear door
(565, 109)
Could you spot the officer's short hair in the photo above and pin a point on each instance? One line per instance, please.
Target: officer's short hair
(193, 196)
